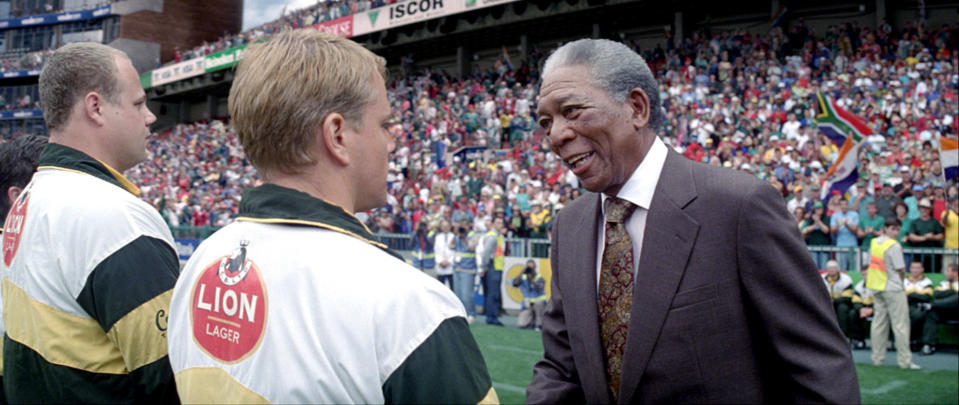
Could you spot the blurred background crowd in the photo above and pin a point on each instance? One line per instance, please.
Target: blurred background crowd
(469, 149)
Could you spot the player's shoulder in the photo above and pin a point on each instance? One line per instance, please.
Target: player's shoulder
(401, 286)
(85, 201)
(721, 181)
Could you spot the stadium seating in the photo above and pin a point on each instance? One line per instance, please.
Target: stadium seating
(732, 98)
(321, 11)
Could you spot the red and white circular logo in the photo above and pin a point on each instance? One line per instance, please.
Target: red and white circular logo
(13, 227)
(229, 307)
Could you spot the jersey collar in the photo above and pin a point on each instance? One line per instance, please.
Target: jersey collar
(60, 157)
(273, 204)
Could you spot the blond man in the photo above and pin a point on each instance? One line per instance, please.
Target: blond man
(89, 267)
(297, 302)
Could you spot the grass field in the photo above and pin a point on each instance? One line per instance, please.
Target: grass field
(510, 355)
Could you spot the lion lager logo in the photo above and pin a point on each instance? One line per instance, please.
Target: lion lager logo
(13, 227)
(229, 307)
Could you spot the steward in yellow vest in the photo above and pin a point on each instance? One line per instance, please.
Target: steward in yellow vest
(891, 311)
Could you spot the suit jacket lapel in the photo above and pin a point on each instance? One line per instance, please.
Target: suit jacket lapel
(581, 300)
(669, 237)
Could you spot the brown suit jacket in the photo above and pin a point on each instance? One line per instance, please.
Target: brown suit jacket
(727, 304)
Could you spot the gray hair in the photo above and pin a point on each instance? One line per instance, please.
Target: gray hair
(614, 67)
(73, 71)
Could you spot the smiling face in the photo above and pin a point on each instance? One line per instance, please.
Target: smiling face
(596, 136)
(916, 270)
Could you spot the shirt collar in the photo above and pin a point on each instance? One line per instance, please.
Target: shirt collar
(273, 204)
(641, 185)
(61, 157)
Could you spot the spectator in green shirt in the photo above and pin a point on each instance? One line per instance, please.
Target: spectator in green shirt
(902, 214)
(864, 195)
(926, 232)
(886, 201)
(815, 230)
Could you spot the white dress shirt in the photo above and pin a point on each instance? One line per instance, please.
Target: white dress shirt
(638, 190)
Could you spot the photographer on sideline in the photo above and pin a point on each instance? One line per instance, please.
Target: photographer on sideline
(533, 287)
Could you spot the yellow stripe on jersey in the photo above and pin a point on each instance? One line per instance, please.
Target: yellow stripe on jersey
(139, 335)
(209, 385)
(58, 337)
(127, 184)
(491, 398)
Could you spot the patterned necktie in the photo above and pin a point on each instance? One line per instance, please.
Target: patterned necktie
(616, 288)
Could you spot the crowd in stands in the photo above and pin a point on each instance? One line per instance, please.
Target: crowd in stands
(195, 175)
(317, 13)
(20, 8)
(24, 102)
(26, 61)
(733, 99)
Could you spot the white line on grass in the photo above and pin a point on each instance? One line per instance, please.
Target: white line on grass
(885, 388)
(508, 387)
(515, 349)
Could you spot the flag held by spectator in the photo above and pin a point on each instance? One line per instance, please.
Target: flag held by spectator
(846, 130)
(949, 157)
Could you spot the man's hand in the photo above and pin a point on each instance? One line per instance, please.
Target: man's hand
(865, 312)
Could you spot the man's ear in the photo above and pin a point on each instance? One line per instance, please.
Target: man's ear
(12, 193)
(639, 106)
(332, 133)
(93, 107)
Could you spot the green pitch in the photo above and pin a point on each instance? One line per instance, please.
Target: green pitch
(510, 355)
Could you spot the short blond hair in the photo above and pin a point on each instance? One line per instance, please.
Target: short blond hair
(284, 88)
(73, 71)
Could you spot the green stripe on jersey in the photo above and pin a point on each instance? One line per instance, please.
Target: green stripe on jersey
(447, 368)
(31, 379)
(135, 274)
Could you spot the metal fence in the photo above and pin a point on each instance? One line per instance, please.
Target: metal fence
(855, 257)
(520, 247)
(850, 258)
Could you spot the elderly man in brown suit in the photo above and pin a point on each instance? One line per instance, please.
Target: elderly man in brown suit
(673, 281)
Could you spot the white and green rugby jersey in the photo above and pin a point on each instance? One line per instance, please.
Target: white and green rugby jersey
(297, 303)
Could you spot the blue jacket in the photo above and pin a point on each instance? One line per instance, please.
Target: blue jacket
(534, 290)
(465, 257)
(423, 256)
